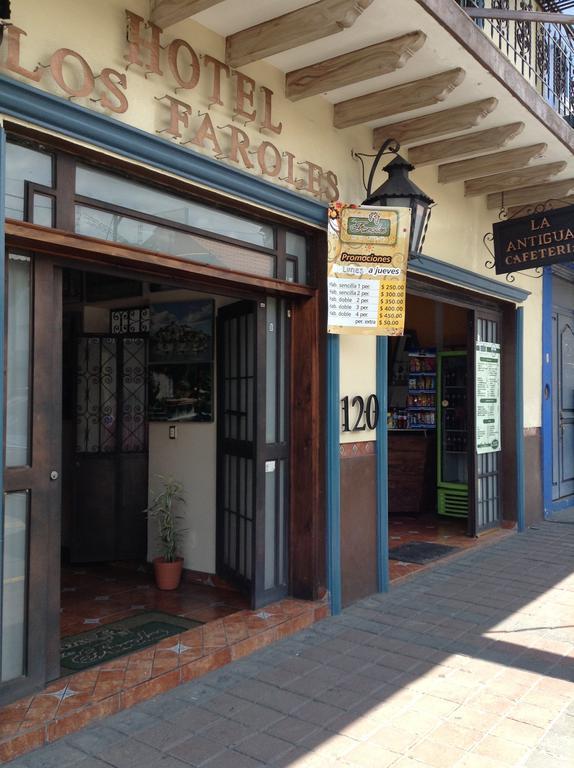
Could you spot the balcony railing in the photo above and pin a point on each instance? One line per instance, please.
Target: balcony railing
(543, 53)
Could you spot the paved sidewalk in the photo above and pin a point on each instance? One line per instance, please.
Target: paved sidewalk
(470, 664)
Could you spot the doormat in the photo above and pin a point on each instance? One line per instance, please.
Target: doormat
(118, 638)
(420, 552)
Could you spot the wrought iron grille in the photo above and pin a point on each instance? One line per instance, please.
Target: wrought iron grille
(111, 389)
(543, 53)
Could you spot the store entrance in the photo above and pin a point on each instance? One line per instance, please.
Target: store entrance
(440, 490)
(127, 383)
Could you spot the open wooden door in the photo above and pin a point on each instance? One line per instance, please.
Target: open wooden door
(253, 447)
(30, 566)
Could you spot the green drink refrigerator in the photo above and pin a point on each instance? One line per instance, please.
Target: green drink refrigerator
(452, 434)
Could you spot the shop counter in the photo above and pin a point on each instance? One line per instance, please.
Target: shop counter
(412, 471)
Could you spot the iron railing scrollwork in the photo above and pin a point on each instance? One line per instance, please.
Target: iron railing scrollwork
(542, 52)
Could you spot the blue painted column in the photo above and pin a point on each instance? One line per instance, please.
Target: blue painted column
(382, 468)
(519, 394)
(333, 475)
(547, 385)
(2, 365)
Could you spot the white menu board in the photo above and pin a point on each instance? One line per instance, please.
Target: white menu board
(487, 396)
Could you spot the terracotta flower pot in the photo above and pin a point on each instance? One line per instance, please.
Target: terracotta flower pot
(167, 575)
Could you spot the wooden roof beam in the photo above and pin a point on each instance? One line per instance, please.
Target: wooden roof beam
(353, 67)
(537, 193)
(501, 181)
(165, 13)
(486, 165)
(436, 124)
(463, 146)
(400, 98)
(312, 22)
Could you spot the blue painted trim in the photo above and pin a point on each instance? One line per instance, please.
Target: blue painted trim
(519, 399)
(547, 427)
(550, 505)
(441, 270)
(2, 378)
(382, 468)
(43, 109)
(333, 475)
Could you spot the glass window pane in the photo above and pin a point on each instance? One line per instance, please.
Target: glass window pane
(14, 585)
(138, 197)
(123, 229)
(270, 524)
(296, 245)
(24, 164)
(43, 212)
(271, 372)
(290, 270)
(18, 362)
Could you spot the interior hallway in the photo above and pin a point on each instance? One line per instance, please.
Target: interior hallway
(467, 664)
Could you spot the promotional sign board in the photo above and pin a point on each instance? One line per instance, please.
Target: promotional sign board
(534, 241)
(487, 397)
(368, 251)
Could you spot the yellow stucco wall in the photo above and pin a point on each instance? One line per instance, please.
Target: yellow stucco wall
(457, 225)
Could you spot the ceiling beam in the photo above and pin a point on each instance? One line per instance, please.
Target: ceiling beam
(353, 67)
(305, 25)
(530, 16)
(165, 13)
(562, 202)
(486, 165)
(400, 98)
(436, 124)
(463, 146)
(538, 193)
(501, 181)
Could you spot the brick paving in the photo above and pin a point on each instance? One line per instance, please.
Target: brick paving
(469, 664)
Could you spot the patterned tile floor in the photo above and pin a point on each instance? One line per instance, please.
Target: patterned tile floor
(99, 594)
(437, 530)
(91, 597)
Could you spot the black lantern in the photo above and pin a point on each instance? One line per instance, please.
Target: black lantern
(4, 15)
(398, 191)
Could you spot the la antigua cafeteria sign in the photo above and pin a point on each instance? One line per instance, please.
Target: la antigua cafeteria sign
(534, 241)
(201, 92)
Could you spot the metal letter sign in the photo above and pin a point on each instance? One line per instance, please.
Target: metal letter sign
(367, 270)
(534, 241)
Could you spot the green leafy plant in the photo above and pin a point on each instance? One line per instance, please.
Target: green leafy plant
(162, 510)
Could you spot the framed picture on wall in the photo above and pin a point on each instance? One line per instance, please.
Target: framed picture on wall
(181, 361)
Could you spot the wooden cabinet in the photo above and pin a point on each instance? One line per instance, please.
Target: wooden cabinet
(412, 472)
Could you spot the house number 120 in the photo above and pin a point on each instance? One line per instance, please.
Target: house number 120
(365, 413)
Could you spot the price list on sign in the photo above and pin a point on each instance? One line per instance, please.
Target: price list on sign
(367, 269)
(354, 303)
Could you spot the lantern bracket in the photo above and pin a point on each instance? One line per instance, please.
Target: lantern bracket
(388, 147)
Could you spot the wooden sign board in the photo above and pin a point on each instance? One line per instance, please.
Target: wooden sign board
(536, 240)
(367, 269)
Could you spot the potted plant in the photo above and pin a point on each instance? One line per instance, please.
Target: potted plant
(168, 565)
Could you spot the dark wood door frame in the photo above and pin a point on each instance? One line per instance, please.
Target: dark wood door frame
(43, 592)
(306, 555)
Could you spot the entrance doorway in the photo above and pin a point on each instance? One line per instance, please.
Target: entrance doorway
(441, 488)
(154, 379)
